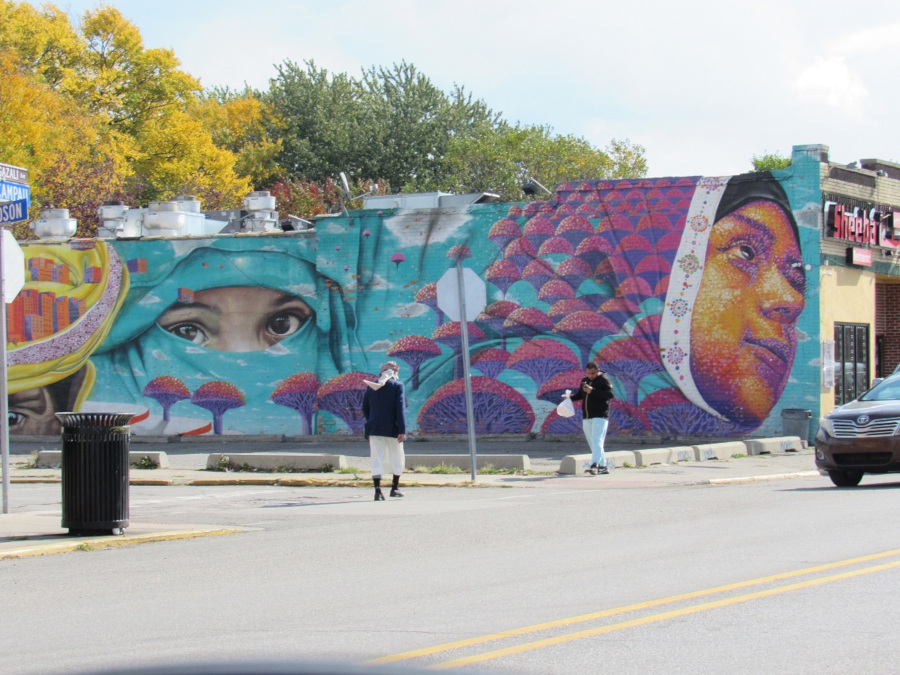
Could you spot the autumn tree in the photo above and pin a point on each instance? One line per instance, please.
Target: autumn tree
(243, 124)
(111, 107)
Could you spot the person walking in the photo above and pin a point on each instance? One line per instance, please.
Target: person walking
(595, 391)
(384, 409)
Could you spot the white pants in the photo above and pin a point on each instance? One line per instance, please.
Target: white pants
(386, 450)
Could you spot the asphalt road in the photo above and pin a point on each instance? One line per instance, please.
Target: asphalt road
(745, 578)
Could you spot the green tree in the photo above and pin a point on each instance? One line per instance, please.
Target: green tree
(412, 124)
(321, 120)
(770, 161)
(500, 161)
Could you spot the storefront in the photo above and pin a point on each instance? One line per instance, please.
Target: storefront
(860, 276)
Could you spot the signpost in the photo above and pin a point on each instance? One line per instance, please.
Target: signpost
(462, 296)
(12, 278)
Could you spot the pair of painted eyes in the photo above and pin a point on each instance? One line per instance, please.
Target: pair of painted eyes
(277, 327)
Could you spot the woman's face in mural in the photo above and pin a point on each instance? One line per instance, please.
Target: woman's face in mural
(237, 318)
(752, 293)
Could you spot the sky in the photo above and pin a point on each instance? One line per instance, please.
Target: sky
(702, 86)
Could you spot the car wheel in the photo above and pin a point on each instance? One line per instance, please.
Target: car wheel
(845, 478)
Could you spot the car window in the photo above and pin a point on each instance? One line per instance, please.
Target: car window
(886, 390)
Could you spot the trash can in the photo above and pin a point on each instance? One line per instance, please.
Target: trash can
(95, 472)
(795, 422)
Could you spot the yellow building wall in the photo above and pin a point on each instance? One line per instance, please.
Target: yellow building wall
(847, 295)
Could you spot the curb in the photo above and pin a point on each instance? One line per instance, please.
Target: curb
(107, 542)
(759, 479)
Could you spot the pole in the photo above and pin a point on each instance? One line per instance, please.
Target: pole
(4, 401)
(464, 333)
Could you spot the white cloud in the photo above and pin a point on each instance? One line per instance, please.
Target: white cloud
(831, 82)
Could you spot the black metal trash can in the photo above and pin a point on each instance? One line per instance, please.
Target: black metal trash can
(795, 422)
(95, 450)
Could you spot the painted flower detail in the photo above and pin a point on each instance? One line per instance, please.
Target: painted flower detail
(679, 307)
(699, 223)
(675, 355)
(711, 183)
(689, 264)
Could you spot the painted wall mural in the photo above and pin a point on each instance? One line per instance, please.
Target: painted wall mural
(690, 292)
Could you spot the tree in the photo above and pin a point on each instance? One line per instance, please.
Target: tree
(321, 120)
(42, 41)
(770, 161)
(242, 124)
(412, 123)
(500, 160)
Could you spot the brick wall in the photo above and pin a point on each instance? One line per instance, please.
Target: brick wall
(887, 323)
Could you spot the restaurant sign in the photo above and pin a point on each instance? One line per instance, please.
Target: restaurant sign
(872, 226)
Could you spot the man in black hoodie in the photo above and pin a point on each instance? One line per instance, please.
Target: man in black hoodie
(596, 392)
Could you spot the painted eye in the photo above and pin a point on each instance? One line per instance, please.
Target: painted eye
(747, 253)
(283, 324)
(189, 332)
(15, 418)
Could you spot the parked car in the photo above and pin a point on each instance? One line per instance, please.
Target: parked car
(862, 436)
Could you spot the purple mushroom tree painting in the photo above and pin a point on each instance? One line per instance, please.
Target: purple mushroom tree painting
(167, 391)
(298, 392)
(415, 350)
(342, 397)
(498, 408)
(218, 397)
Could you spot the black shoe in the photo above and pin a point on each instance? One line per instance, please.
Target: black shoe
(602, 470)
(379, 496)
(395, 493)
(592, 470)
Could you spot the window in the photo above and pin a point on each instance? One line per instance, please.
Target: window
(851, 357)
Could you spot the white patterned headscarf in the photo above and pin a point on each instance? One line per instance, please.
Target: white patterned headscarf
(684, 284)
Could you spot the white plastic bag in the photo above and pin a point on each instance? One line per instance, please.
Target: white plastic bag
(566, 408)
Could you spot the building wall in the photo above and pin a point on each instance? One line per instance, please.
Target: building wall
(848, 296)
(887, 326)
(694, 294)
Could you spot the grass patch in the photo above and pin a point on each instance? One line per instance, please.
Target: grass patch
(84, 546)
(350, 469)
(738, 455)
(146, 462)
(225, 464)
(31, 462)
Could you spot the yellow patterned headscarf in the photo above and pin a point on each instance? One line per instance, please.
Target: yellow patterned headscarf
(63, 313)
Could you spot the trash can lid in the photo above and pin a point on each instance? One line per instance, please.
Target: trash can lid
(94, 419)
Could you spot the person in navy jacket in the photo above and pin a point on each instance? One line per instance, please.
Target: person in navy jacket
(384, 408)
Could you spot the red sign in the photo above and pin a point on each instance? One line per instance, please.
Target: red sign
(854, 226)
(859, 256)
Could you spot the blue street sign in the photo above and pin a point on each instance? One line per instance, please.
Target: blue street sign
(13, 212)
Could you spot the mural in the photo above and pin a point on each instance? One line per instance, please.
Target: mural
(689, 292)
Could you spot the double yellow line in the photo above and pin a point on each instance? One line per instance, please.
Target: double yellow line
(643, 621)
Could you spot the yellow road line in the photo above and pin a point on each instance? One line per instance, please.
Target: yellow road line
(428, 651)
(549, 642)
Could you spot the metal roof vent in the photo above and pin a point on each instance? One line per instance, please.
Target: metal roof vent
(54, 224)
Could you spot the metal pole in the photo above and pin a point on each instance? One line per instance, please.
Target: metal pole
(464, 333)
(4, 402)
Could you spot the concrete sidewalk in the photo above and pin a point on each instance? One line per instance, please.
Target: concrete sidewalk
(25, 534)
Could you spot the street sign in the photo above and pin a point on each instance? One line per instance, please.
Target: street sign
(13, 267)
(13, 212)
(447, 289)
